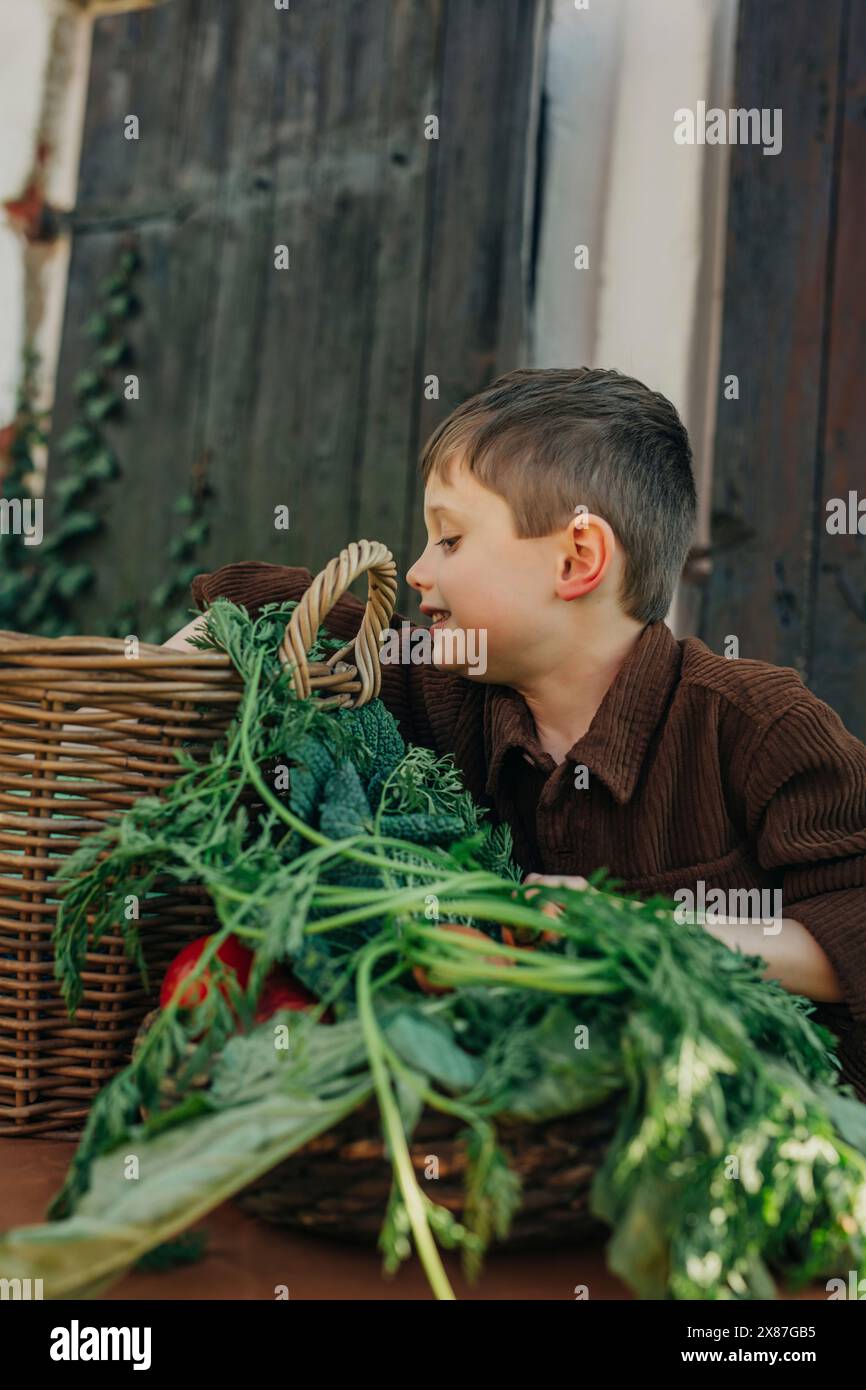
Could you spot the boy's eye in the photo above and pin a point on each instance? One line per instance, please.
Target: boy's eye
(448, 541)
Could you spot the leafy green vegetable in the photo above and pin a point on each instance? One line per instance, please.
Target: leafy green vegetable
(186, 1171)
(737, 1152)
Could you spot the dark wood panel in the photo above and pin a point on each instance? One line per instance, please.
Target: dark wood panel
(475, 319)
(388, 458)
(838, 627)
(301, 387)
(774, 333)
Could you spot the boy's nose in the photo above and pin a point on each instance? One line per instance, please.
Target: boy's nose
(413, 578)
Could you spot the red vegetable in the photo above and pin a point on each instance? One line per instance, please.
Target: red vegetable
(232, 953)
(280, 990)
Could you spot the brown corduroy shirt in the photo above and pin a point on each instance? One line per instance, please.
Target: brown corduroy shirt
(699, 770)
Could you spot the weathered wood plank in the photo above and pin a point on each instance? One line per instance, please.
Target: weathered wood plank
(474, 323)
(386, 461)
(161, 436)
(837, 629)
(779, 228)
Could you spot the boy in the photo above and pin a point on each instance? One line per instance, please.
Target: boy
(560, 506)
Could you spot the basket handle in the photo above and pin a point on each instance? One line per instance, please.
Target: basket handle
(318, 600)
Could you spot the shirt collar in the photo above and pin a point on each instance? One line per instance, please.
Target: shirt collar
(615, 744)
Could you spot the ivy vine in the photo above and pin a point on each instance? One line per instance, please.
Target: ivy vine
(39, 584)
(19, 562)
(168, 606)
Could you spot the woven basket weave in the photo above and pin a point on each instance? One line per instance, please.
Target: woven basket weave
(339, 1183)
(87, 725)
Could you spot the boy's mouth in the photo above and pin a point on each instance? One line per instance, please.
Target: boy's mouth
(437, 616)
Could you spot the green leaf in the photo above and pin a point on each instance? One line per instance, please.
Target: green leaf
(565, 1078)
(76, 440)
(493, 1191)
(197, 532)
(114, 354)
(185, 1172)
(112, 284)
(70, 488)
(101, 468)
(345, 809)
(87, 382)
(162, 593)
(74, 580)
(73, 526)
(122, 305)
(430, 1046)
(97, 408)
(98, 327)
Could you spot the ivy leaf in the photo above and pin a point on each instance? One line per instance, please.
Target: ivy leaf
(112, 284)
(76, 439)
(87, 382)
(67, 489)
(72, 527)
(101, 468)
(97, 327)
(74, 579)
(162, 593)
(197, 532)
(114, 354)
(100, 406)
(121, 306)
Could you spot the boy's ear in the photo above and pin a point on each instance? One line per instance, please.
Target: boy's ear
(585, 556)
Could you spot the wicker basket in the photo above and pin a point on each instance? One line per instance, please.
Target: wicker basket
(87, 725)
(133, 710)
(339, 1183)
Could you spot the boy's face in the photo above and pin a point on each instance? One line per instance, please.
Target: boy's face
(491, 582)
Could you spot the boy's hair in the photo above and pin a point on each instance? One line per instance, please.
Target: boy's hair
(549, 440)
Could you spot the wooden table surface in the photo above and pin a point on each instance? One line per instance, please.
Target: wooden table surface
(247, 1259)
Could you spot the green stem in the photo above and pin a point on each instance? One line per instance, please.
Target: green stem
(393, 1126)
(380, 902)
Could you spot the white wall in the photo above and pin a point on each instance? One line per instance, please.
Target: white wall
(651, 212)
(44, 62)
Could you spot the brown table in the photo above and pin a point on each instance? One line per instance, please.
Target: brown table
(247, 1259)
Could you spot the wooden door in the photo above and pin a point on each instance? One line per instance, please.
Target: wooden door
(304, 387)
(794, 335)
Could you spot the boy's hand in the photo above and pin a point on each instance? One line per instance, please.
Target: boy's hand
(553, 909)
(513, 936)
